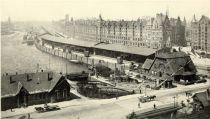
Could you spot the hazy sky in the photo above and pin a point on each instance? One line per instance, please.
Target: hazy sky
(23, 10)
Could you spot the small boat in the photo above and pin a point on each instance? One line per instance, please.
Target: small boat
(28, 39)
(75, 61)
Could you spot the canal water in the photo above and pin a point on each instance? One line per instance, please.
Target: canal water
(22, 58)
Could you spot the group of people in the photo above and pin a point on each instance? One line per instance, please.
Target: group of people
(139, 105)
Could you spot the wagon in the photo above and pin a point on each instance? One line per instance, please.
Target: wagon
(144, 99)
(51, 108)
(39, 109)
(47, 108)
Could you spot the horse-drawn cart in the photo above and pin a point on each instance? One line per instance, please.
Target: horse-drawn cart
(144, 99)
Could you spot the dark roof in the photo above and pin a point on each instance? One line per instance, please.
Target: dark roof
(126, 49)
(12, 89)
(202, 96)
(151, 112)
(171, 55)
(75, 42)
(168, 53)
(204, 18)
(182, 66)
(175, 66)
(147, 64)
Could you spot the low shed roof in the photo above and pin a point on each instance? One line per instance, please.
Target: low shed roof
(81, 43)
(126, 49)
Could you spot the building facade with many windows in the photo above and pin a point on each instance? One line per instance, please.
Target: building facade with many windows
(199, 34)
(156, 33)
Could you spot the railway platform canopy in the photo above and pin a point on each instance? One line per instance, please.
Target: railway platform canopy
(126, 49)
(68, 41)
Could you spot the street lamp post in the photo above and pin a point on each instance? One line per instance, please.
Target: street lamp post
(174, 100)
(145, 91)
(147, 86)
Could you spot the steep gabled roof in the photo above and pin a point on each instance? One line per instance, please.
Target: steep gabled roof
(204, 18)
(38, 83)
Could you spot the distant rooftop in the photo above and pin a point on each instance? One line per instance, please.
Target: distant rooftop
(81, 43)
(126, 49)
(147, 64)
(105, 46)
(169, 53)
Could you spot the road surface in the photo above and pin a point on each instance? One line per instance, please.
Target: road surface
(112, 108)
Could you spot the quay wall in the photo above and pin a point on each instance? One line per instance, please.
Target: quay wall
(78, 56)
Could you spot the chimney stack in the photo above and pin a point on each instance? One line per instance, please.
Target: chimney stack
(28, 78)
(10, 79)
(49, 77)
(38, 81)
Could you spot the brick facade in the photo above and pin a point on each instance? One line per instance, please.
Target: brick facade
(153, 33)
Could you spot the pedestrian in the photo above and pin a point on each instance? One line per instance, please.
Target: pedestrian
(29, 117)
(154, 106)
(139, 105)
(140, 91)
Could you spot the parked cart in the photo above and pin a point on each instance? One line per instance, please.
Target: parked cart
(47, 108)
(144, 99)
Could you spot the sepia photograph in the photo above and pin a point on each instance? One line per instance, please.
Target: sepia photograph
(105, 59)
